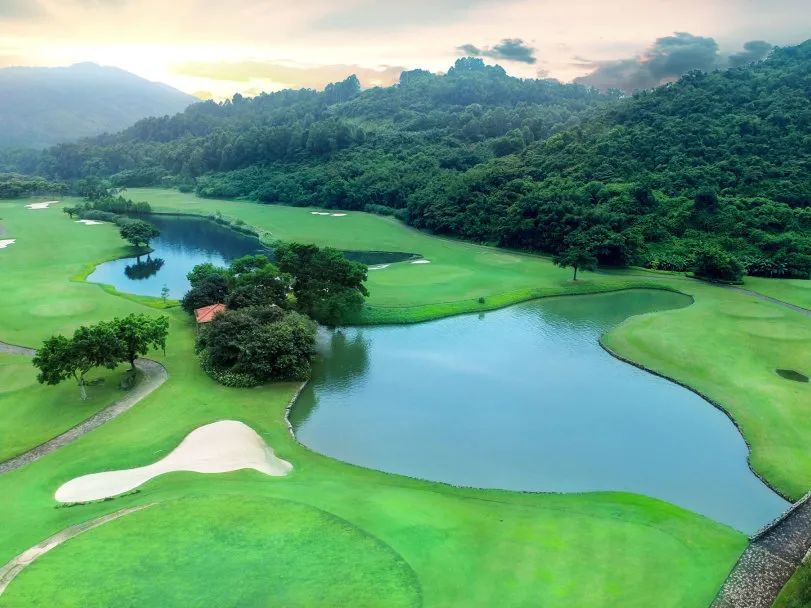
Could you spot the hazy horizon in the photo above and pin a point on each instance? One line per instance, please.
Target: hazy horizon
(209, 50)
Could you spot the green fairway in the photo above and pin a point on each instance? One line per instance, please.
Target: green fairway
(794, 291)
(219, 551)
(458, 275)
(31, 414)
(462, 546)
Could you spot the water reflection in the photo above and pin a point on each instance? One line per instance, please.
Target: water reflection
(526, 399)
(143, 269)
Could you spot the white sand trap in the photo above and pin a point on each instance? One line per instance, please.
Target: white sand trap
(338, 214)
(379, 266)
(319, 212)
(421, 262)
(6, 242)
(90, 222)
(41, 205)
(219, 447)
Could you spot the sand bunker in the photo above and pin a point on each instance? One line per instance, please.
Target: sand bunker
(90, 222)
(421, 262)
(6, 242)
(43, 205)
(379, 266)
(319, 212)
(220, 447)
(338, 214)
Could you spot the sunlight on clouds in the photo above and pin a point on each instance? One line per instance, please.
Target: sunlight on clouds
(245, 45)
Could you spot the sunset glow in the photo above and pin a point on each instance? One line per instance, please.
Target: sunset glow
(213, 48)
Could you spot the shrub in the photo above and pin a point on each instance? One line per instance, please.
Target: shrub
(712, 262)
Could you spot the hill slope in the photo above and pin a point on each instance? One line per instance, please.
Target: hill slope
(44, 106)
(716, 162)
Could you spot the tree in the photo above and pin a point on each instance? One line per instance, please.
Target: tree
(576, 257)
(712, 262)
(257, 344)
(138, 232)
(138, 333)
(323, 281)
(203, 271)
(211, 289)
(61, 358)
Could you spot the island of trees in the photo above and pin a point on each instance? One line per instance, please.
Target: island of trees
(268, 328)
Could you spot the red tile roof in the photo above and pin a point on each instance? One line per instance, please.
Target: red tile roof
(206, 313)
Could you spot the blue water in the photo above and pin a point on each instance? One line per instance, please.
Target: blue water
(184, 242)
(525, 398)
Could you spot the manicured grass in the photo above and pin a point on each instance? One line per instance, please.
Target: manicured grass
(458, 275)
(465, 547)
(728, 346)
(220, 551)
(794, 291)
(31, 414)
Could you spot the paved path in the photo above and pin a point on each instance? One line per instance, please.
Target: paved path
(765, 298)
(16, 565)
(154, 374)
(771, 559)
(16, 350)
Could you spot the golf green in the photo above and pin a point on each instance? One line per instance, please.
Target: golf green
(465, 547)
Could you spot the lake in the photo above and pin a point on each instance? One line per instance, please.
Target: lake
(525, 398)
(522, 398)
(186, 241)
(183, 243)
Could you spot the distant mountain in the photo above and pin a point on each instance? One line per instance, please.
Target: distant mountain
(40, 107)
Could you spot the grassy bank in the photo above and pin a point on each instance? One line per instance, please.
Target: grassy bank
(464, 547)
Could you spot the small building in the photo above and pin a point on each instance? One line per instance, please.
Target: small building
(206, 314)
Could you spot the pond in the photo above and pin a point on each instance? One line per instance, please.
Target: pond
(183, 243)
(186, 241)
(525, 398)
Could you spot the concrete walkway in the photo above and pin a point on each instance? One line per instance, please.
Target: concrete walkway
(769, 562)
(154, 374)
(16, 565)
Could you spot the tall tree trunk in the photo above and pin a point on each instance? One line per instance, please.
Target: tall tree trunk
(575, 274)
(82, 389)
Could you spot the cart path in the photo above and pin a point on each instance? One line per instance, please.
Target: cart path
(9, 571)
(153, 375)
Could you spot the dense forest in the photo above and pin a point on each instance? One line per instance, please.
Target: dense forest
(716, 162)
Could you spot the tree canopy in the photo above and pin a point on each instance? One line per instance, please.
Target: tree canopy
(719, 157)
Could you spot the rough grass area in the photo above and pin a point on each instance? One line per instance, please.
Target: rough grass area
(31, 414)
(797, 592)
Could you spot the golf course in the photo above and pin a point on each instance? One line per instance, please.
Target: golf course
(328, 533)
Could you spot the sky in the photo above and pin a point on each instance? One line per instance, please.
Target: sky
(214, 48)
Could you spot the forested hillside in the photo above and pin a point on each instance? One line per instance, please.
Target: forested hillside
(717, 160)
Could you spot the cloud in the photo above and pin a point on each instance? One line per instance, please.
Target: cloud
(295, 76)
(377, 15)
(754, 50)
(19, 9)
(509, 49)
(665, 61)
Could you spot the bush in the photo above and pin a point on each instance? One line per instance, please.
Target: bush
(254, 345)
(226, 377)
(713, 263)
